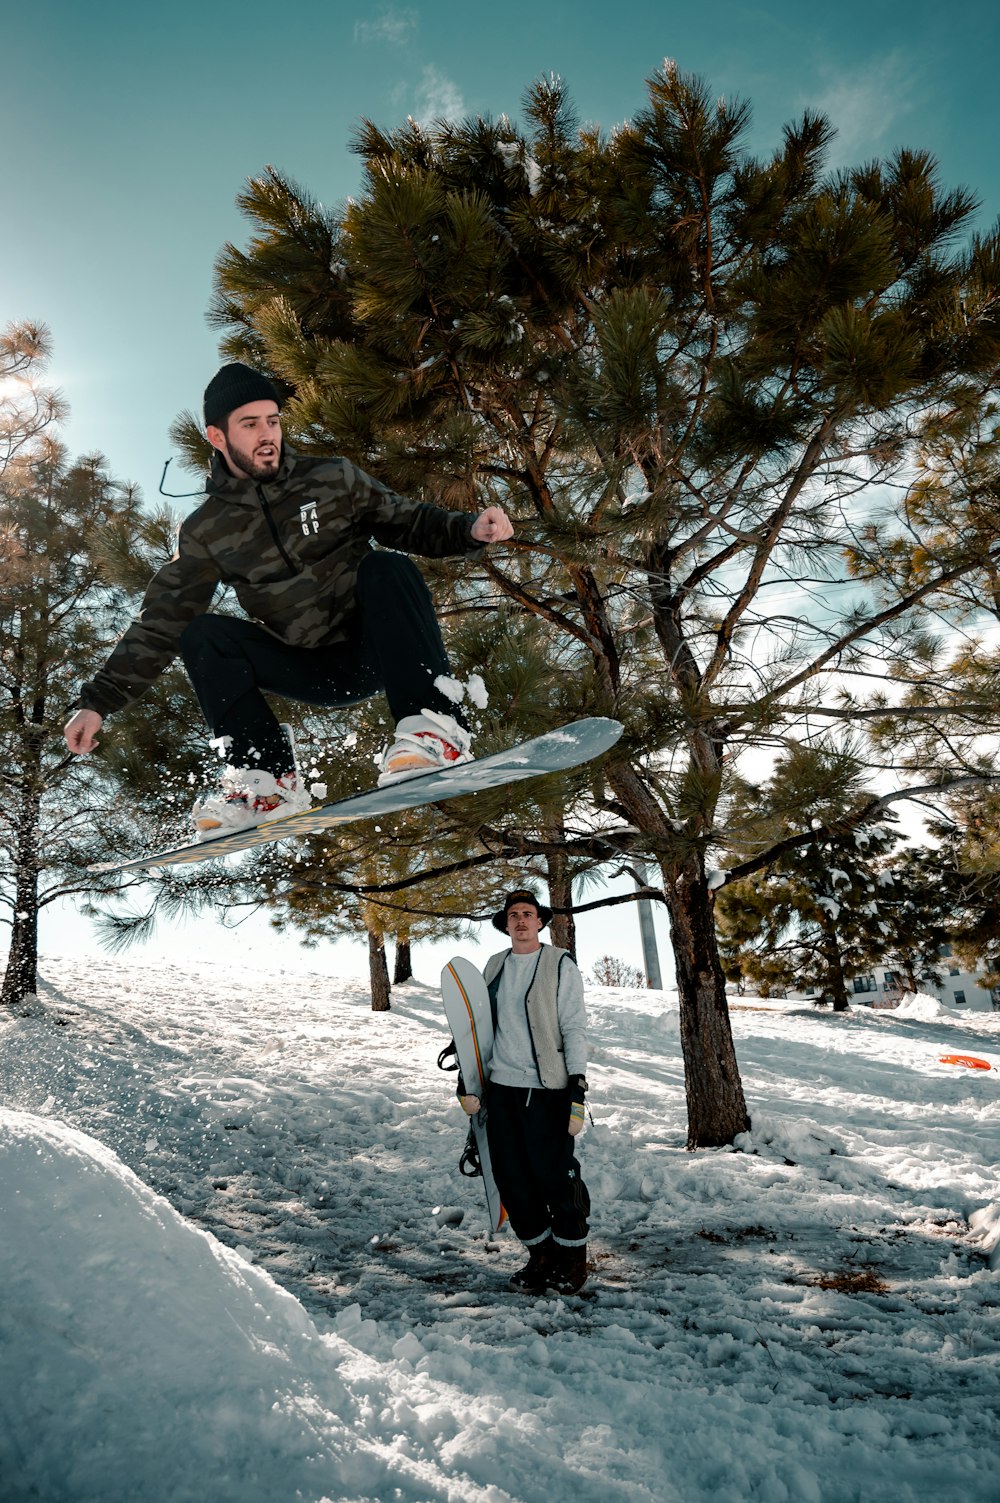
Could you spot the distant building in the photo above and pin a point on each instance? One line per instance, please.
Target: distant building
(957, 988)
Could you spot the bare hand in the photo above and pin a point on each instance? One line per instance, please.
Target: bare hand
(492, 526)
(470, 1104)
(81, 731)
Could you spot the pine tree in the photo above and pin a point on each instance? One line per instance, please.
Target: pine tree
(59, 614)
(919, 888)
(841, 895)
(823, 908)
(28, 408)
(822, 916)
(704, 383)
(962, 875)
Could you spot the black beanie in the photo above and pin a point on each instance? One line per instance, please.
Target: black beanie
(233, 386)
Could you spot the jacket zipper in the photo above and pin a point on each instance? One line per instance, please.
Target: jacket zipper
(274, 532)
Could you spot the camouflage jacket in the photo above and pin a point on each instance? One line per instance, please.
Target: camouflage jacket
(290, 548)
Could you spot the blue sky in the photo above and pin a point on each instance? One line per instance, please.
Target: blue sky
(129, 131)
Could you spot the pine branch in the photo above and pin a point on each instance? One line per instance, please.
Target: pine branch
(854, 821)
(646, 894)
(902, 712)
(864, 628)
(807, 466)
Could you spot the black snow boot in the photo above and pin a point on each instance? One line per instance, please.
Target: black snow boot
(568, 1272)
(534, 1276)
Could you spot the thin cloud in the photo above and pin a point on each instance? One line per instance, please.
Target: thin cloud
(438, 98)
(866, 106)
(389, 25)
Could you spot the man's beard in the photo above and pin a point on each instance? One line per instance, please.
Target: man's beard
(252, 467)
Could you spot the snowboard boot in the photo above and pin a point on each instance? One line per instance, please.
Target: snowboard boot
(534, 1276)
(568, 1271)
(426, 742)
(248, 797)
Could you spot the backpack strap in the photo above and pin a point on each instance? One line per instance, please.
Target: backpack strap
(449, 1052)
(469, 1164)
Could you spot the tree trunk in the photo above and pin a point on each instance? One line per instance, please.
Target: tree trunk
(717, 1109)
(716, 1106)
(378, 972)
(563, 927)
(21, 975)
(835, 982)
(403, 967)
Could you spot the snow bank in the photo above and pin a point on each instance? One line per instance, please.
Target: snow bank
(923, 1005)
(133, 1346)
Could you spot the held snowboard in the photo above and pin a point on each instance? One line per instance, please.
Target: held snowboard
(470, 1017)
(556, 751)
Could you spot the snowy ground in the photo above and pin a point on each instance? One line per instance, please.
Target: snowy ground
(238, 1263)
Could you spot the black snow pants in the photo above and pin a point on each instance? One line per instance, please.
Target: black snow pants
(534, 1165)
(398, 649)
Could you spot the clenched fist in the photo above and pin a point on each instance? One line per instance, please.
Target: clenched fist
(492, 526)
(81, 731)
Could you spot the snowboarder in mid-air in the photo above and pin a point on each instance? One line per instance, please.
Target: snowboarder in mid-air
(331, 620)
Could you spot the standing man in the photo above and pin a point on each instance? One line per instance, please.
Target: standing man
(331, 620)
(536, 1097)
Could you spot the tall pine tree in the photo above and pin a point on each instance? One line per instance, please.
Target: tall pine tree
(59, 614)
(704, 383)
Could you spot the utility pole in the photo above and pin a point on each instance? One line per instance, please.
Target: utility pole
(647, 933)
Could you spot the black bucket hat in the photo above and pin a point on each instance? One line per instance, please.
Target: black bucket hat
(520, 895)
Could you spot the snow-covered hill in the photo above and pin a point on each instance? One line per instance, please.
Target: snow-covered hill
(238, 1263)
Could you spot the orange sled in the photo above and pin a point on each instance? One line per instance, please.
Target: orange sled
(966, 1059)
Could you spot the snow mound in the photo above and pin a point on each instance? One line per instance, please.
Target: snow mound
(984, 1225)
(922, 1005)
(796, 1140)
(134, 1345)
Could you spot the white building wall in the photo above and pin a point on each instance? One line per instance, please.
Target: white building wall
(957, 988)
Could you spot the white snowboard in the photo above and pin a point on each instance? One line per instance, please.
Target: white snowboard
(470, 1017)
(556, 751)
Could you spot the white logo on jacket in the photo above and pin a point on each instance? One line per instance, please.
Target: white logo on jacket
(309, 518)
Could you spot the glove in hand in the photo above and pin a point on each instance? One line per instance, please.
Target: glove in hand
(577, 1111)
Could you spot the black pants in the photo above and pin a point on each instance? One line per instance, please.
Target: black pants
(536, 1171)
(397, 649)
